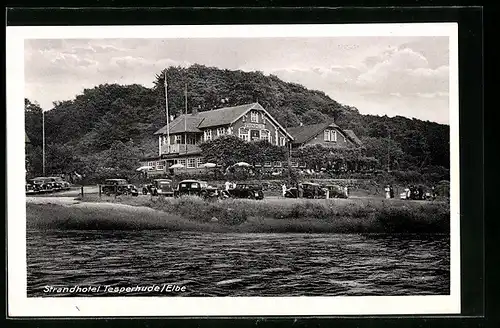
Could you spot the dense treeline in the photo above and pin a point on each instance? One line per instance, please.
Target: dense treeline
(107, 129)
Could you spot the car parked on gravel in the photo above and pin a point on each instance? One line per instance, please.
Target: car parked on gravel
(42, 184)
(247, 190)
(162, 187)
(59, 184)
(309, 190)
(193, 188)
(119, 187)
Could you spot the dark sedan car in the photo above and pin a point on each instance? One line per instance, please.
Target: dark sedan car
(119, 187)
(42, 184)
(309, 190)
(159, 187)
(246, 190)
(59, 184)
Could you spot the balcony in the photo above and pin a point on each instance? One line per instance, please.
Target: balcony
(179, 149)
(170, 149)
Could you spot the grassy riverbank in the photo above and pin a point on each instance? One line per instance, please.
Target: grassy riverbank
(271, 215)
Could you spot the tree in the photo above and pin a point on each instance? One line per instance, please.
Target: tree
(228, 150)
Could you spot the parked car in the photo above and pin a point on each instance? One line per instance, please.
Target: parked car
(59, 184)
(309, 190)
(42, 184)
(192, 188)
(335, 191)
(32, 188)
(159, 187)
(119, 187)
(246, 190)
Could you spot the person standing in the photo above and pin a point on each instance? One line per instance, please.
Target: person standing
(391, 191)
(283, 190)
(387, 192)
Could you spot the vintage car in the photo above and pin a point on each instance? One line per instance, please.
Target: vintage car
(196, 188)
(118, 187)
(32, 188)
(159, 187)
(246, 190)
(59, 183)
(335, 191)
(309, 190)
(42, 184)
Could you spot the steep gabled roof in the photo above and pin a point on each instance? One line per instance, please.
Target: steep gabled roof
(223, 116)
(205, 119)
(305, 133)
(213, 118)
(351, 135)
(177, 125)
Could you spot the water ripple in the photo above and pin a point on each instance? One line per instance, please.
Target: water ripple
(241, 264)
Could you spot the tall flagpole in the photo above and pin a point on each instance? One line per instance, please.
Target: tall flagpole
(43, 142)
(185, 116)
(166, 111)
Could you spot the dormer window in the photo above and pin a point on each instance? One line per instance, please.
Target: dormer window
(254, 117)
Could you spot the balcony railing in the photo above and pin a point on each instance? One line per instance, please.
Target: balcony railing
(170, 149)
(178, 149)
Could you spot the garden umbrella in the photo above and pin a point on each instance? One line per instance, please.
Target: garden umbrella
(242, 164)
(144, 168)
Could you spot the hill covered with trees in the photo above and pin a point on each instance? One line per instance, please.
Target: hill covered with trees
(110, 127)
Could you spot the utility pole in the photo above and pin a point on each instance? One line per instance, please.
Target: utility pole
(185, 116)
(388, 151)
(43, 142)
(166, 111)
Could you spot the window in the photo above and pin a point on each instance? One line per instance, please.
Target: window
(282, 141)
(254, 117)
(267, 164)
(152, 164)
(277, 164)
(333, 137)
(327, 135)
(220, 132)
(182, 162)
(208, 134)
(191, 163)
(254, 135)
(265, 135)
(199, 162)
(303, 165)
(244, 134)
(294, 164)
(177, 139)
(160, 165)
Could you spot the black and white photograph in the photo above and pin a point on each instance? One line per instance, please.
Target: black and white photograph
(199, 170)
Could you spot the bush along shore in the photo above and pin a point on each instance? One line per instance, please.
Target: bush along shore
(235, 215)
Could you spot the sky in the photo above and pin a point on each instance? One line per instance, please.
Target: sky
(406, 76)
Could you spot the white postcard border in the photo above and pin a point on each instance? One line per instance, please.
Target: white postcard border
(19, 305)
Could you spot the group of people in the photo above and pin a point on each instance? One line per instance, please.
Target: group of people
(411, 192)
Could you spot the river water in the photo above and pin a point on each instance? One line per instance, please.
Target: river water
(225, 264)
